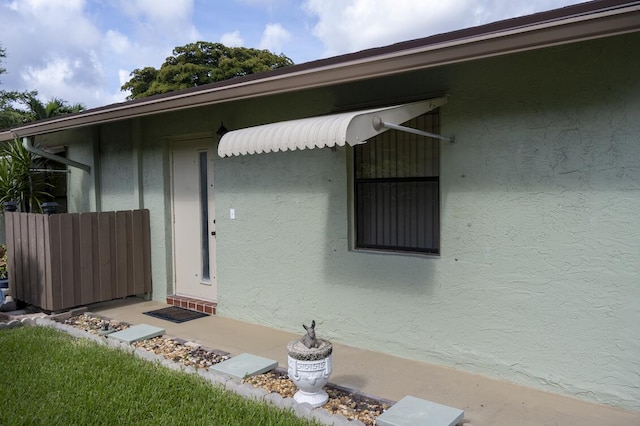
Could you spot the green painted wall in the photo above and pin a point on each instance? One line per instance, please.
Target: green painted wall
(538, 278)
(117, 180)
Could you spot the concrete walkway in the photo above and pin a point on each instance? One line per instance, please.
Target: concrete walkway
(485, 401)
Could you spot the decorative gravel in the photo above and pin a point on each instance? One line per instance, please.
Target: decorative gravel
(93, 323)
(341, 401)
(350, 404)
(183, 353)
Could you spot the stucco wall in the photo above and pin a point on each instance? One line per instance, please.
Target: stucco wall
(117, 179)
(538, 279)
(550, 252)
(81, 192)
(156, 198)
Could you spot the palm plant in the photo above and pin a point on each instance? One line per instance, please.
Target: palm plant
(54, 107)
(19, 181)
(11, 114)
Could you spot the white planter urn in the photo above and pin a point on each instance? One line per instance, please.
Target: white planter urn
(309, 369)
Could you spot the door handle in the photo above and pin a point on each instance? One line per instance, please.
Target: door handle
(213, 233)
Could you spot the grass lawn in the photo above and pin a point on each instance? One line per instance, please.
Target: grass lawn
(51, 378)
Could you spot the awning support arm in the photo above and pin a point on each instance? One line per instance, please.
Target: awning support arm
(26, 143)
(379, 124)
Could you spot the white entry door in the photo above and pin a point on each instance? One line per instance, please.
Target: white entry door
(194, 224)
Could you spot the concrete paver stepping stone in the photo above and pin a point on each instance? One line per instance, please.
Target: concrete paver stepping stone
(412, 411)
(244, 365)
(137, 332)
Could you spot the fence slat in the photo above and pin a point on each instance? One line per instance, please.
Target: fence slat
(105, 231)
(55, 255)
(40, 263)
(75, 238)
(66, 257)
(95, 250)
(137, 258)
(86, 258)
(24, 292)
(32, 261)
(123, 224)
(146, 249)
(9, 223)
(48, 275)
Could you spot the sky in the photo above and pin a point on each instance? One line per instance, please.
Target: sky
(83, 51)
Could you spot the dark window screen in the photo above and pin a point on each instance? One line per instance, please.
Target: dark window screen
(397, 190)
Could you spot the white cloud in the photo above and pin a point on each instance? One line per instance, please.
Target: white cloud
(117, 42)
(157, 27)
(274, 37)
(53, 73)
(66, 78)
(52, 47)
(232, 39)
(351, 25)
(123, 76)
(172, 13)
(49, 20)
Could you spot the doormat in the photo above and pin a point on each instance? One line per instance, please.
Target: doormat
(176, 314)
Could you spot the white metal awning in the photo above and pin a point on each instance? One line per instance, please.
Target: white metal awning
(354, 128)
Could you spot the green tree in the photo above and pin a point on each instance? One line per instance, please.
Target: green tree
(201, 63)
(10, 115)
(39, 110)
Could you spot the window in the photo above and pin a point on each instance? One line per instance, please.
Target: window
(204, 215)
(397, 195)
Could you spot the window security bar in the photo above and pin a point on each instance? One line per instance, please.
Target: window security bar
(379, 124)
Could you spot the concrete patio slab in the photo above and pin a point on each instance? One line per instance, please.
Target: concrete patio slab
(412, 411)
(244, 365)
(486, 401)
(137, 332)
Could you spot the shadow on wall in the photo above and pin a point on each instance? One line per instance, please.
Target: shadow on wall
(296, 203)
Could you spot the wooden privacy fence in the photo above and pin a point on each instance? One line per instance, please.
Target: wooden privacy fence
(61, 261)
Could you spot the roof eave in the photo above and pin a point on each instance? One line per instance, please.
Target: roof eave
(536, 36)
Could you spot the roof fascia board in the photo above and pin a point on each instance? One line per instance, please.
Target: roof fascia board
(545, 34)
(6, 135)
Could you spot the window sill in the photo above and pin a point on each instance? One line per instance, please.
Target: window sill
(396, 253)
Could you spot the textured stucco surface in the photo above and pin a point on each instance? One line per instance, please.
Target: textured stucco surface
(156, 198)
(538, 279)
(116, 168)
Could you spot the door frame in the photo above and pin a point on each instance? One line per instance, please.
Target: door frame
(174, 143)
